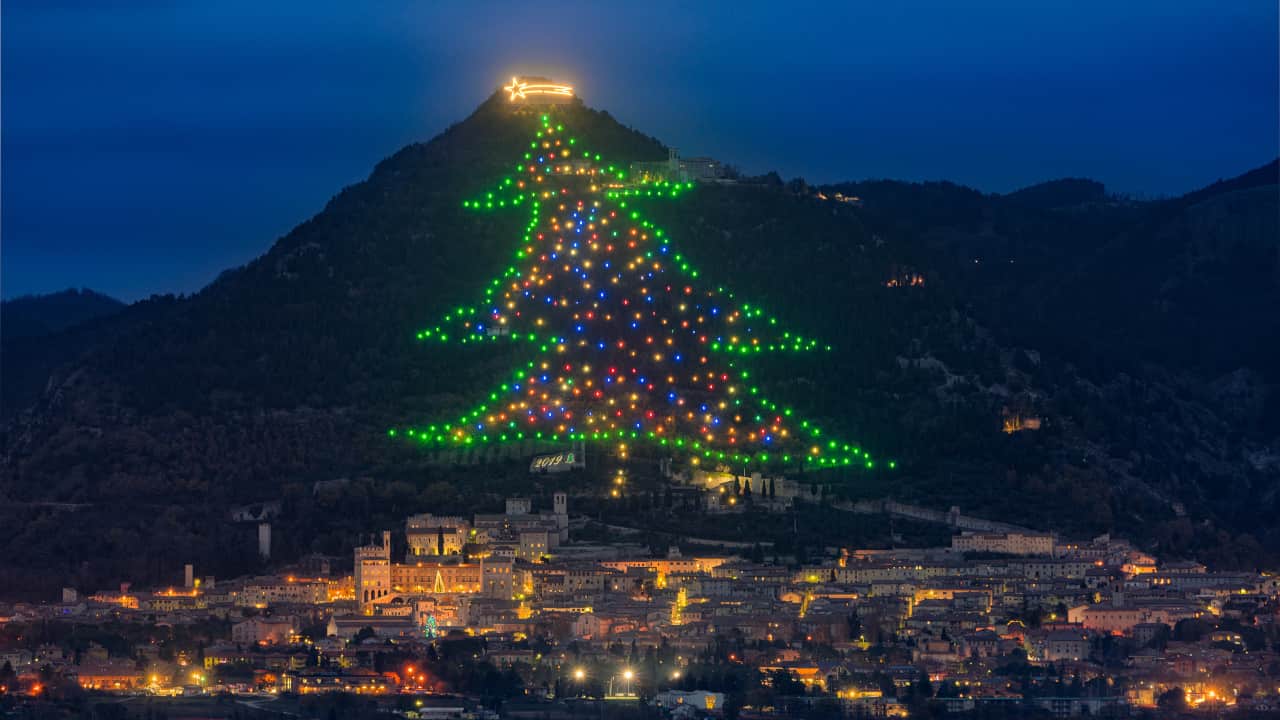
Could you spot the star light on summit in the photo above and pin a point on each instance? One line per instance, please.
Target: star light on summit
(522, 88)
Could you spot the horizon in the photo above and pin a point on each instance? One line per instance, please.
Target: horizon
(166, 142)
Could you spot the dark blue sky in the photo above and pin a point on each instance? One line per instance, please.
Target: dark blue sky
(150, 144)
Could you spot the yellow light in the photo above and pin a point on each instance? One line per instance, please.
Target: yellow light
(521, 90)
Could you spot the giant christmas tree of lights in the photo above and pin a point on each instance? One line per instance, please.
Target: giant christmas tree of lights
(631, 349)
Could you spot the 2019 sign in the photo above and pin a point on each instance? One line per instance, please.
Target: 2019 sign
(553, 463)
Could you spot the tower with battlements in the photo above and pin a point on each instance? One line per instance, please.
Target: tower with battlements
(373, 573)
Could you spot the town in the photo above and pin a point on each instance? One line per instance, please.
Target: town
(515, 612)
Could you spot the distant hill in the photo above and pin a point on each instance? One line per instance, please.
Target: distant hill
(38, 315)
(1137, 331)
(1263, 177)
(1067, 192)
(41, 332)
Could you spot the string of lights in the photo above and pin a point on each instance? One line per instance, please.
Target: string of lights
(629, 349)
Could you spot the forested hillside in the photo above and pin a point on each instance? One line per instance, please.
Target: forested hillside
(1142, 336)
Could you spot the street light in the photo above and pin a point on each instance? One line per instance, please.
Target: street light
(579, 674)
(628, 674)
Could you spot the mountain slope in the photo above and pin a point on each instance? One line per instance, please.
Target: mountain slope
(288, 370)
(40, 333)
(38, 315)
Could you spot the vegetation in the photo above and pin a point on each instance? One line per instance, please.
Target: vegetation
(1135, 330)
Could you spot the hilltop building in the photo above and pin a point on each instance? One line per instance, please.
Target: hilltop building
(433, 535)
(1009, 543)
(492, 542)
(678, 169)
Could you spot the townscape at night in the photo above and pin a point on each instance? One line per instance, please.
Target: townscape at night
(449, 616)
(527, 413)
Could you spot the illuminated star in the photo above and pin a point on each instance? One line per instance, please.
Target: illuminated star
(516, 88)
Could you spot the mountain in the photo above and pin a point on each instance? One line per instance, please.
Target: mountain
(1134, 331)
(38, 315)
(1064, 193)
(39, 333)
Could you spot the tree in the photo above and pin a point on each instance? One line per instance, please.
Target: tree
(784, 683)
(1172, 700)
(922, 688)
(633, 347)
(363, 634)
(8, 678)
(1191, 630)
(1160, 638)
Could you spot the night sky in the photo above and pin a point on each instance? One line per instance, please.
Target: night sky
(150, 144)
